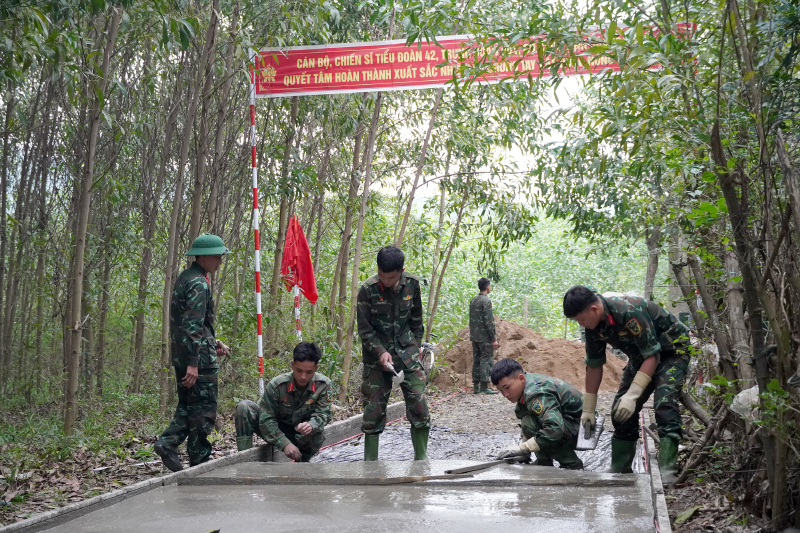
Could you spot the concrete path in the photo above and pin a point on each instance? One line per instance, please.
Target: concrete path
(250, 497)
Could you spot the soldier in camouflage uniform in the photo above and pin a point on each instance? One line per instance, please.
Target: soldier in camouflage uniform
(390, 326)
(657, 346)
(550, 411)
(294, 410)
(194, 350)
(483, 337)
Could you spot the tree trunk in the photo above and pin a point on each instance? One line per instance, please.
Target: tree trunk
(677, 262)
(437, 249)
(228, 75)
(150, 205)
(172, 235)
(80, 235)
(373, 129)
(10, 106)
(757, 303)
(738, 328)
(453, 241)
(420, 165)
(87, 341)
(653, 240)
(200, 164)
(102, 304)
(344, 249)
(720, 335)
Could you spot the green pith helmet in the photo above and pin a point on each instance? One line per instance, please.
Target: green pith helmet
(208, 245)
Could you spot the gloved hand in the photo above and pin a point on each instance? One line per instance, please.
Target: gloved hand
(625, 407)
(514, 451)
(588, 421)
(523, 449)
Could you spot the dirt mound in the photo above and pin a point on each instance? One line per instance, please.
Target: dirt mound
(559, 358)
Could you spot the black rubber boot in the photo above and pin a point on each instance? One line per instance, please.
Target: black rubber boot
(419, 438)
(244, 443)
(622, 454)
(485, 389)
(667, 459)
(371, 443)
(476, 388)
(169, 458)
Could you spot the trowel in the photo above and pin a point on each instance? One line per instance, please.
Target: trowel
(588, 440)
(398, 378)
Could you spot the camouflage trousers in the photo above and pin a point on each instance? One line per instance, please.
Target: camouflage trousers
(482, 361)
(246, 421)
(377, 386)
(194, 416)
(667, 383)
(563, 451)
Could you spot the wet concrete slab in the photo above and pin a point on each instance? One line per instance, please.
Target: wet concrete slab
(522, 497)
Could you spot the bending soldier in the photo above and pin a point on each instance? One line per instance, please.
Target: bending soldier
(550, 412)
(294, 410)
(391, 329)
(483, 337)
(656, 344)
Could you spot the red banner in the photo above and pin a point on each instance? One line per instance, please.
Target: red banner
(381, 66)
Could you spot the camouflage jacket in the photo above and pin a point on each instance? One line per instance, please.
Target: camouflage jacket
(639, 328)
(191, 321)
(555, 406)
(283, 403)
(481, 319)
(390, 321)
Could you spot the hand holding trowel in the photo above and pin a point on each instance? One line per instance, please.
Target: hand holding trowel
(386, 362)
(398, 377)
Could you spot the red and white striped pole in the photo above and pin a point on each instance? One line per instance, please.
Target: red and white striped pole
(257, 250)
(297, 328)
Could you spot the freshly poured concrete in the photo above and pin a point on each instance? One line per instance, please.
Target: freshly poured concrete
(523, 498)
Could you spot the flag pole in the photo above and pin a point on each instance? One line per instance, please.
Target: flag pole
(298, 329)
(257, 249)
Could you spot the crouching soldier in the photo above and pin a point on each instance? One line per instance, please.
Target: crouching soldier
(294, 410)
(550, 411)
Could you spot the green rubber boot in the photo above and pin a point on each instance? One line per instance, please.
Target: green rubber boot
(485, 389)
(622, 454)
(419, 438)
(371, 447)
(667, 459)
(244, 443)
(476, 388)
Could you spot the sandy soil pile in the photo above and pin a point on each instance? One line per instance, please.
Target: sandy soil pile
(559, 358)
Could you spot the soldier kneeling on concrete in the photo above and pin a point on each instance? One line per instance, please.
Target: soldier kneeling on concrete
(550, 411)
(294, 410)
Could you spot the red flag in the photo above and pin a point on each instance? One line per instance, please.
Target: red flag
(296, 266)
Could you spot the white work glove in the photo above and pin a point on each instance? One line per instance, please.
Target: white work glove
(520, 450)
(588, 421)
(626, 406)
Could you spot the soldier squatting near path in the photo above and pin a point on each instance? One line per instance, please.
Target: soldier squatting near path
(294, 410)
(550, 411)
(296, 406)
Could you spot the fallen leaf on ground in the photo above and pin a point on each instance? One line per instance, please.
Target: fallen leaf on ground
(686, 515)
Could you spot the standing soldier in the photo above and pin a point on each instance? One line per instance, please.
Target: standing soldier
(391, 329)
(483, 337)
(294, 410)
(194, 352)
(550, 411)
(656, 344)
